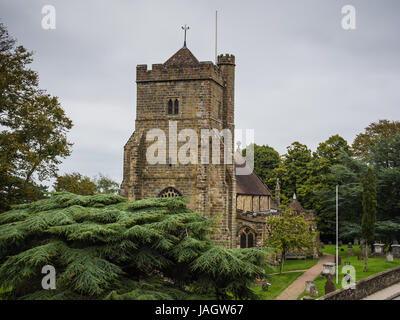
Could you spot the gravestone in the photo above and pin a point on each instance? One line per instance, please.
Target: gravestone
(330, 242)
(349, 245)
(350, 252)
(396, 250)
(321, 245)
(329, 285)
(356, 243)
(265, 286)
(311, 289)
(328, 268)
(395, 242)
(379, 249)
(389, 257)
(360, 256)
(340, 243)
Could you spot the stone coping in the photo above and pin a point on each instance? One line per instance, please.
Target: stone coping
(366, 286)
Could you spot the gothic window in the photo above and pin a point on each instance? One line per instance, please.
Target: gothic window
(219, 110)
(176, 106)
(247, 238)
(170, 192)
(170, 106)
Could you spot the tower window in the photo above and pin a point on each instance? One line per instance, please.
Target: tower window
(170, 106)
(176, 106)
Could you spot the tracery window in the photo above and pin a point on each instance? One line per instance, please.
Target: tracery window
(247, 237)
(170, 192)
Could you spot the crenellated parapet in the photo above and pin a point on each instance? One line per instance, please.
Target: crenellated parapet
(226, 59)
(161, 72)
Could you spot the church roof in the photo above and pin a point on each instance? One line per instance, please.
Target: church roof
(183, 57)
(296, 206)
(249, 184)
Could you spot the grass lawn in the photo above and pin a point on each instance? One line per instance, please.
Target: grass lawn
(375, 265)
(291, 265)
(278, 282)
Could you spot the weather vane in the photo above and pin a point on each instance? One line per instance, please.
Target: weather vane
(185, 28)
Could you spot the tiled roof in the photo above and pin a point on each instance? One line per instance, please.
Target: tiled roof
(296, 206)
(183, 57)
(249, 184)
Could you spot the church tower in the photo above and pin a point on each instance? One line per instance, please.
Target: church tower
(185, 94)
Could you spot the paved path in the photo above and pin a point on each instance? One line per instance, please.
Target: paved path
(386, 293)
(299, 285)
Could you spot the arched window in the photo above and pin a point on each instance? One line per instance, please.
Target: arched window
(247, 238)
(169, 192)
(176, 109)
(170, 106)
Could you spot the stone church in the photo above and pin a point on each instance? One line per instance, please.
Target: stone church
(196, 95)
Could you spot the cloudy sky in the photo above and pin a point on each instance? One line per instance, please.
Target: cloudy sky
(299, 77)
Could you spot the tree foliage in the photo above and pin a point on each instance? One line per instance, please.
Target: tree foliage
(75, 183)
(105, 247)
(289, 232)
(33, 138)
(266, 159)
(369, 204)
(383, 129)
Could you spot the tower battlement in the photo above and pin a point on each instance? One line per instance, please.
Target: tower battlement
(226, 59)
(163, 72)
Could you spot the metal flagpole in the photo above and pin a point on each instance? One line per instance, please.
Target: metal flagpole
(216, 36)
(337, 233)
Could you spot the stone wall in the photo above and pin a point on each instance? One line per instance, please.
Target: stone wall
(367, 286)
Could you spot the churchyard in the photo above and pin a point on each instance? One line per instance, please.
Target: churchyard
(375, 265)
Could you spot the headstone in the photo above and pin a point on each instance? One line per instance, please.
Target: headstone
(328, 268)
(360, 256)
(362, 242)
(350, 252)
(395, 242)
(356, 242)
(265, 286)
(364, 251)
(349, 245)
(329, 285)
(389, 257)
(396, 250)
(379, 249)
(321, 245)
(330, 242)
(311, 289)
(340, 243)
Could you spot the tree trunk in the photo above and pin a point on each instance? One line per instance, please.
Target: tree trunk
(282, 261)
(366, 257)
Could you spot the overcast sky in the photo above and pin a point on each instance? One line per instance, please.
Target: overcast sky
(299, 75)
